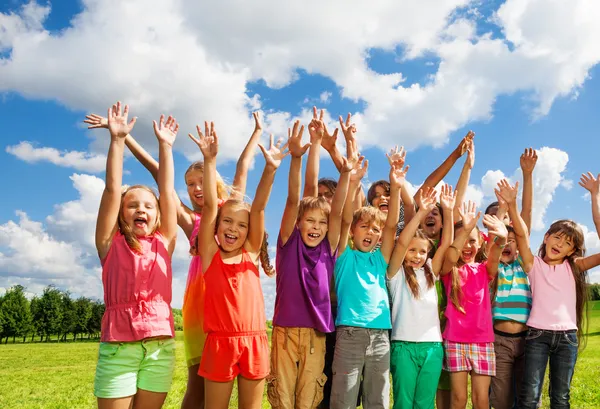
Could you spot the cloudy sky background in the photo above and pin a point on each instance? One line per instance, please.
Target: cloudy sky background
(520, 73)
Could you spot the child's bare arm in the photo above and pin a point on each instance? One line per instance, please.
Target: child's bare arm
(243, 163)
(528, 161)
(498, 229)
(337, 203)
(592, 184)
(316, 131)
(448, 202)
(388, 237)
(463, 180)
(469, 216)
(108, 214)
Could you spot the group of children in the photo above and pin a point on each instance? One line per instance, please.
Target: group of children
(368, 286)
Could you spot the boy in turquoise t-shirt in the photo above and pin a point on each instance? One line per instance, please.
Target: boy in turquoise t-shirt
(363, 319)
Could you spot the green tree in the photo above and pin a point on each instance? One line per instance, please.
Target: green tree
(51, 311)
(83, 312)
(35, 306)
(94, 326)
(69, 316)
(15, 313)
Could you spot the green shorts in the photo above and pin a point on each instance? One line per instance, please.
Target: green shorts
(125, 367)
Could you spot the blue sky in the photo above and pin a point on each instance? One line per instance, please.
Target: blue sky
(421, 80)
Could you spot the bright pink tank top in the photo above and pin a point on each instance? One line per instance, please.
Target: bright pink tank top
(233, 301)
(137, 290)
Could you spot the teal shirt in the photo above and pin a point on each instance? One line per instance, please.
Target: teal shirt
(361, 290)
(513, 296)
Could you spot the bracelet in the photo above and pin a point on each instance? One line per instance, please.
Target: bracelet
(497, 244)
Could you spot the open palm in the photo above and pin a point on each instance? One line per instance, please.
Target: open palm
(208, 142)
(275, 154)
(117, 121)
(166, 131)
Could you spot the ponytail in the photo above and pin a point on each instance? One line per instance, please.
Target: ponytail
(265, 260)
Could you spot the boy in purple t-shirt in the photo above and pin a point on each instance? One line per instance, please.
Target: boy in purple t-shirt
(306, 250)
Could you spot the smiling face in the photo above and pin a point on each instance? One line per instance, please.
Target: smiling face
(381, 199)
(313, 227)
(232, 227)
(558, 247)
(471, 247)
(416, 252)
(366, 233)
(193, 180)
(509, 253)
(432, 224)
(140, 212)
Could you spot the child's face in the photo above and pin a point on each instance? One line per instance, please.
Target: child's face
(140, 211)
(233, 228)
(416, 253)
(366, 235)
(432, 223)
(558, 247)
(313, 227)
(381, 199)
(326, 193)
(493, 211)
(471, 247)
(509, 253)
(193, 180)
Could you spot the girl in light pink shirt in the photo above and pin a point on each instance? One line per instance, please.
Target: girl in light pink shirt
(558, 279)
(135, 239)
(468, 336)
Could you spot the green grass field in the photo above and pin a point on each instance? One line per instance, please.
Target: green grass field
(61, 375)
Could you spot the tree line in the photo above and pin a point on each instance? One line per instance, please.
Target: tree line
(53, 314)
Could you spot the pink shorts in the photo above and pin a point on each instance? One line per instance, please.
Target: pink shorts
(477, 357)
(226, 356)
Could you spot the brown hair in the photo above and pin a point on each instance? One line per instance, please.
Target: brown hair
(371, 193)
(409, 272)
(329, 183)
(481, 256)
(369, 214)
(313, 203)
(572, 230)
(126, 231)
(223, 190)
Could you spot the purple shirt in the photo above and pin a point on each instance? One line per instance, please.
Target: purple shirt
(304, 276)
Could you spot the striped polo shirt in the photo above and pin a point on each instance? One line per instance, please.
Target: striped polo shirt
(513, 297)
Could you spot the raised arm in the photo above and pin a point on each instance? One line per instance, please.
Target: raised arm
(388, 236)
(440, 173)
(243, 164)
(316, 131)
(528, 160)
(328, 142)
(497, 228)
(166, 132)
(358, 172)
(338, 201)
(290, 213)
(209, 146)
(273, 158)
(399, 252)
(592, 184)
(406, 199)
(463, 180)
(509, 193)
(469, 217)
(448, 202)
(108, 214)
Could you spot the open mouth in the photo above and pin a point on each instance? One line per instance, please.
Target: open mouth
(383, 207)
(367, 242)
(140, 222)
(314, 236)
(554, 251)
(199, 196)
(468, 254)
(506, 252)
(230, 239)
(430, 222)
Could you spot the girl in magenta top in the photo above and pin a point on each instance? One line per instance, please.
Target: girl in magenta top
(558, 279)
(135, 239)
(468, 336)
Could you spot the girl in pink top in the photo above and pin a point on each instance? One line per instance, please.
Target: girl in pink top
(135, 238)
(558, 279)
(468, 336)
(189, 221)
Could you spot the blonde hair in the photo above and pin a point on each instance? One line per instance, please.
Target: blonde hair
(409, 271)
(223, 190)
(125, 229)
(313, 203)
(368, 214)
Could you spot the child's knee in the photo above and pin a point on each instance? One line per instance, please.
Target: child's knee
(458, 398)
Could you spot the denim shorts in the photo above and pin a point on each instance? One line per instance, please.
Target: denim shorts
(125, 367)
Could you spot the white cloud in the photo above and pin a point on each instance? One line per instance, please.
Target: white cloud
(567, 184)
(217, 53)
(82, 161)
(592, 244)
(325, 97)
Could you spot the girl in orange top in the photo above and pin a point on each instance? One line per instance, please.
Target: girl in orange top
(234, 312)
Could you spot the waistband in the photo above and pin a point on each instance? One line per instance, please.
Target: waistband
(550, 331)
(237, 334)
(521, 334)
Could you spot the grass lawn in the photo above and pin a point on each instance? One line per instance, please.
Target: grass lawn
(53, 375)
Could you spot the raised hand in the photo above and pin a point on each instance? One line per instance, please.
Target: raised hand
(507, 192)
(208, 142)
(528, 160)
(117, 121)
(349, 131)
(397, 174)
(469, 215)
(495, 226)
(427, 191)
(328, 141)
(447, 197)
(426, 199)
(275, 154)
(359, 170)
(166, 131)
(315, 128)
(471, 155)
(295, 140)
(96, 121)
(463, 146)
(590, 183)
(397, 156)
(257, 121)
